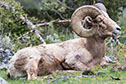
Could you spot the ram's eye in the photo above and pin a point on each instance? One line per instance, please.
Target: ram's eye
(99, 19)
(103, 22)
(40, 62)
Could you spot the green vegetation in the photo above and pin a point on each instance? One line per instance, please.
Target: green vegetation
(103, 77)
(74, 78)
(11, 28)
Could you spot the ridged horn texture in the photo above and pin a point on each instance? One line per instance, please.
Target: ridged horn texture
(78, 15)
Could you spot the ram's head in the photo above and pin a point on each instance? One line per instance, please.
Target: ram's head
(96, 21)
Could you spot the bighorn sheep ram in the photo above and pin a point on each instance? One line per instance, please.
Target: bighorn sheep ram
(76, 54)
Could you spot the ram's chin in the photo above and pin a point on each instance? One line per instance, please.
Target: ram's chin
(108, 34)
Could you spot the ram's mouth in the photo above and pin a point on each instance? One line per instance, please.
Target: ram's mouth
(114, 35)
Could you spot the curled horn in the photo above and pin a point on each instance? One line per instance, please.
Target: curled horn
(79, 14)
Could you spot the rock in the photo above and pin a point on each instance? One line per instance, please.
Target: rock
(5, 55)
(50, 77)
(7, 50)
(115, 78)
(120, 68)
(88, 72)
(3, 66)
(1, 50)
(55, 80)
(86, 76)
(65, 78)
(110, 59)
(2, 81)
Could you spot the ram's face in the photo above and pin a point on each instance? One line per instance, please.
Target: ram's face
(96, 20)
(108, 27)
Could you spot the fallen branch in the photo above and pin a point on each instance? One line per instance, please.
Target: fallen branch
(55, 22)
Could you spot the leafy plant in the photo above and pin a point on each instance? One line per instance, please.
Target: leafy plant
(6, 42)
(10, 22)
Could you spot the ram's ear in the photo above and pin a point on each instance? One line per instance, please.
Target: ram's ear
(41, 61)
(118, 22)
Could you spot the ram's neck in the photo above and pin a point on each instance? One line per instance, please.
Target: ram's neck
(96, 46)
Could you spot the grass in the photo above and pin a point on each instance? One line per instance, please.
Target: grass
(73, 78)
(76, 78)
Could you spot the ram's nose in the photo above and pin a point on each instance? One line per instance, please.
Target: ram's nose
(119, 29)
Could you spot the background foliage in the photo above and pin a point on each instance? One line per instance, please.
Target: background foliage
(40, 11)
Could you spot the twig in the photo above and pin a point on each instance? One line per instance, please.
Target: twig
(116, 40)
(54, 10)
(33, 27)
(111, 45)
(112, 39)
(23, 37)
(45, 10)
(55, 22)
(65, 5)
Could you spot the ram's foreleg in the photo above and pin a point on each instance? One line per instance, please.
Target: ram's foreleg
(32, 70)
(75, 64)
